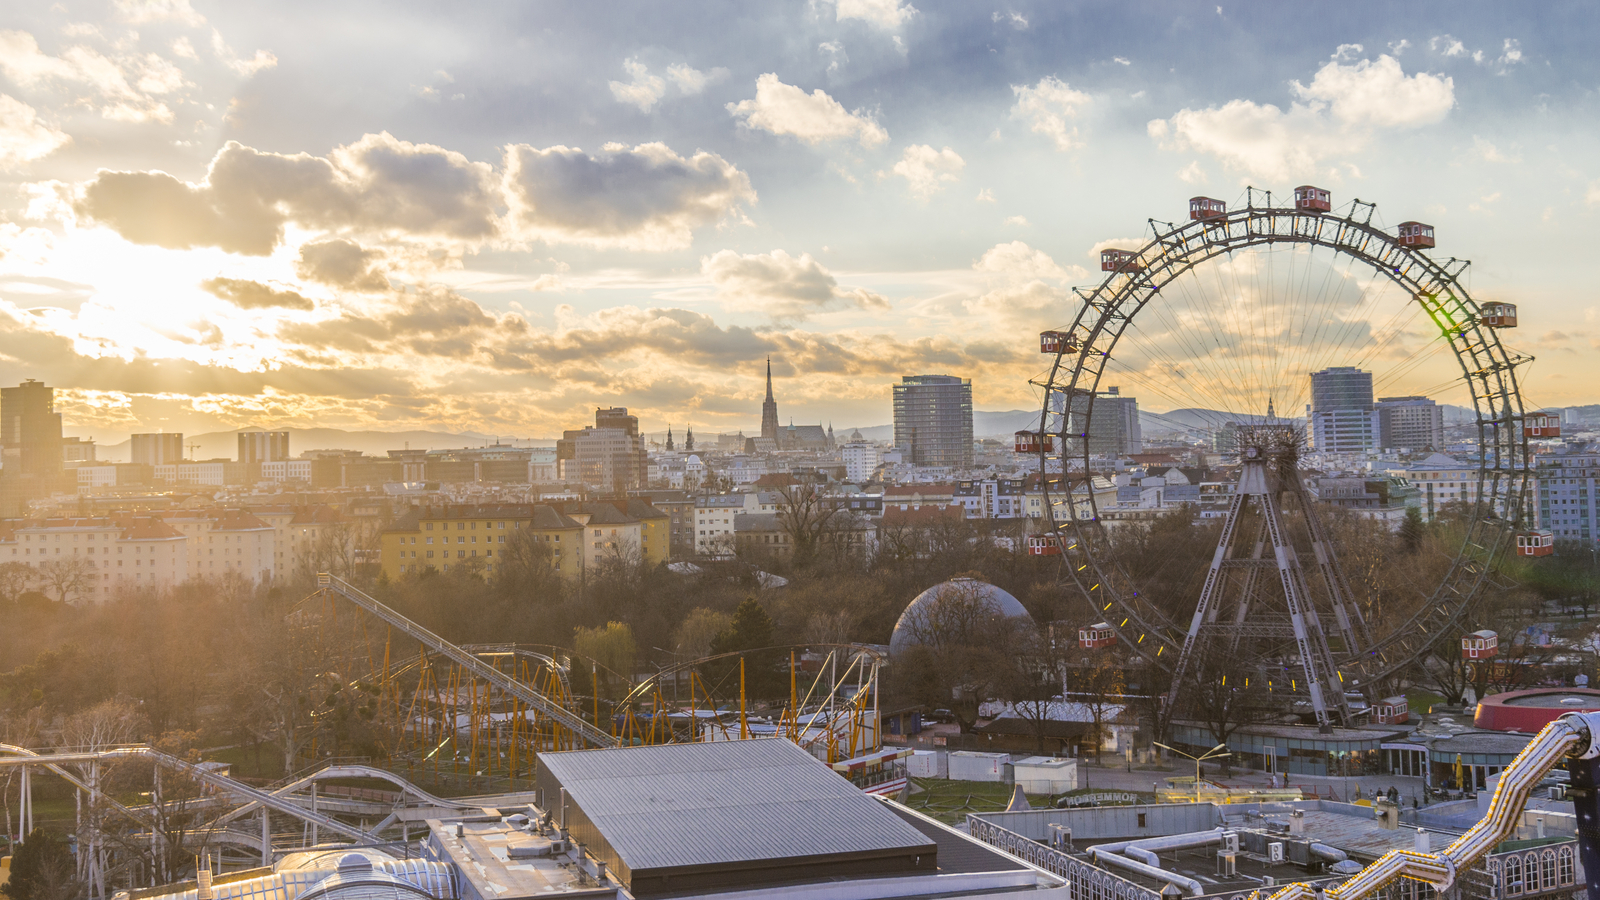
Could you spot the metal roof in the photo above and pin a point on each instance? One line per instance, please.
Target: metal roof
(725, 805)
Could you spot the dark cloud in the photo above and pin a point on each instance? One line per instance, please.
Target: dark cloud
(376, 185)
(641, 198)
(255, 295)
(342, 263)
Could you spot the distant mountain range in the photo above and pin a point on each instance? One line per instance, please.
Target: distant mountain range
(225, 444)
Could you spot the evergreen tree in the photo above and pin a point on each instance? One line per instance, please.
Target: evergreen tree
(41, 869)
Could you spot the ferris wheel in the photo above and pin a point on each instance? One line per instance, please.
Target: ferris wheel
(1222, 320)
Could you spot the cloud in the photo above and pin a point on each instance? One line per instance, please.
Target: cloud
(812, 118)
(1051, 108)
(255, 295)
(928, 170)
(342, 263)
(1510, 54)
(1011, 17)
(263, 59)
(1379, 94)
(643, 91)
(1193, 174)
(1445, 45)
(1018, 221)
(1592, 196)
(141, 11)
(641, 198)
(1018, 261)
(23, 138)
(984, 196)
(1345, 105)
(691, 80)
(377, 185)
(23, 62)
(786, 287)
(888, 15)
(837, 57)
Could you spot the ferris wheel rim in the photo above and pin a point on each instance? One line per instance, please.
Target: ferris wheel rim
(1504, 460)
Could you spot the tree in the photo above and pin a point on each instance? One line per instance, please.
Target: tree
(527, 568)
(751, 630)
(67, 576)
(1097, 684)
(14, 580)
(611, 646)
(42, 869)
(1411, 530)
(1225, 695)
(698, 630)
(1032, 684)
(804, 514)
(962, 647)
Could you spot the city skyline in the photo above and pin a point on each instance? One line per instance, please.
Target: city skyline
(202, 235)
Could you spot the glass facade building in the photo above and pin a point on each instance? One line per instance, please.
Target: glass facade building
(933, 419)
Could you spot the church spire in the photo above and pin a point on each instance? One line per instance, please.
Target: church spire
(669, 437)
(769, 409)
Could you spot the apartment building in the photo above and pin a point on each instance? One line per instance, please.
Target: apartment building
(474, 537)
(115, 552)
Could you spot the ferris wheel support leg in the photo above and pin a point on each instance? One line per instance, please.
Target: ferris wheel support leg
(1586, 804)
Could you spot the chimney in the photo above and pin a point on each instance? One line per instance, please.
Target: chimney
(1422, 845)
(1297, 822)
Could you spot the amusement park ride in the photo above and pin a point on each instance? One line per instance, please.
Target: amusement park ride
(1275, 595)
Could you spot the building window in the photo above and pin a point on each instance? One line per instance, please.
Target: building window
(1547, 870)
(1564, 865)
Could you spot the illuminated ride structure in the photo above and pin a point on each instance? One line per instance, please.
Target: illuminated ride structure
(483, 713)
(1226, 316)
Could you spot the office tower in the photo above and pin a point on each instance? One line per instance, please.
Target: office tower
(1342, 417)
(1410, 423)
(157, 449)
(31, 429)
(933, 419)
(263, 446)
(1113, 423)
(609, 457)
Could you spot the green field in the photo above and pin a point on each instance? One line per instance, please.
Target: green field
(950, 801)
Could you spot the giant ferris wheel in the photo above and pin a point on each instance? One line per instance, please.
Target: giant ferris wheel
(1222, 319)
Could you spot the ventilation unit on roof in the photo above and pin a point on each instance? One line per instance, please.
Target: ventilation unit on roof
(1275, 852)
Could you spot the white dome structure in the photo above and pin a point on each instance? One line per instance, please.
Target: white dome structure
(916, 618)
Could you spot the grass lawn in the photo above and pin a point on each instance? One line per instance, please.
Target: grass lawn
(1421, 701)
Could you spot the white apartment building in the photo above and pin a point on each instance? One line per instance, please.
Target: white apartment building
(223, 541)
(714, 515)
(1441, 480)
(129, 551)
(861, 459)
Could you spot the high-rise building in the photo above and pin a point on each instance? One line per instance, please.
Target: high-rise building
(1113, 423)
(609, 457)
(263, 446)
(769, 409)
(933, 419)
(1410, 423)
(158, 449)
(31, 430)
(1342, 418)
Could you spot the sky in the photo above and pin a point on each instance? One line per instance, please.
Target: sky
(495, 217)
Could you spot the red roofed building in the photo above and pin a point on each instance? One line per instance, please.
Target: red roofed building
(86, 559)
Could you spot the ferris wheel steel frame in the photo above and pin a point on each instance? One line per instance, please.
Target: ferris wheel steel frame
(1487, 367)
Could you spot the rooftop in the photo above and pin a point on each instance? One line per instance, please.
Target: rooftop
(682, 816)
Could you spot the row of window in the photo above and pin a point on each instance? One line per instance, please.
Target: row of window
(1533, 872)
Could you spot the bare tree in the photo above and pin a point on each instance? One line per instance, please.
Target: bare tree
(804, 514)
(67, 576)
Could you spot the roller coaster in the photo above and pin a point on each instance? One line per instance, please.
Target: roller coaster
(475, 714)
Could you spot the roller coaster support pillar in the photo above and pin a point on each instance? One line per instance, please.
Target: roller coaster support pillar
(1586, 803)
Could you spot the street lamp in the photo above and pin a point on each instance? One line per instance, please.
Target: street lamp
(1209, 754)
